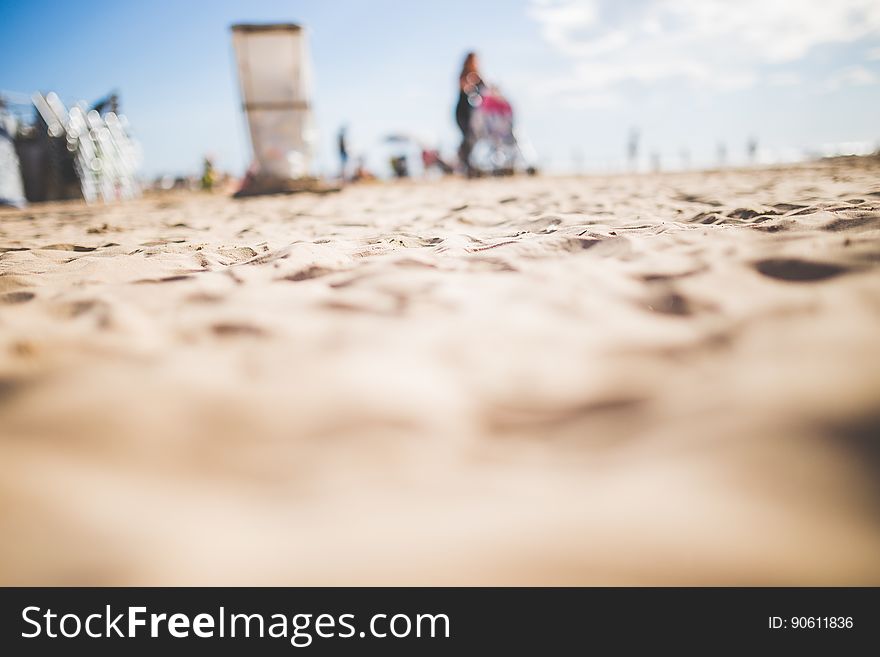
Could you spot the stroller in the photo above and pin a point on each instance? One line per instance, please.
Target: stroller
(496, 149)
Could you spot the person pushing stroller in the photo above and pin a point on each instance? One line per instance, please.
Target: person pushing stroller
(485, 119)
(470, 89)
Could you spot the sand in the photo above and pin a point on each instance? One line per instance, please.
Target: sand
(634, 379)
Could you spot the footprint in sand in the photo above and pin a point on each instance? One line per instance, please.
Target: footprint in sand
(70, 247)
(861, 220)
(743, 213)
(9, 387)
(691, 198)
(858, 436)
(74, 309)
(237, 254)
(166, 279)
(788, 207)
(16, 297)
(232, 329)
(307, 274)
(670, 303)
(791, 269)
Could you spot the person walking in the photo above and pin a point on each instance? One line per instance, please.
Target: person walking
(343, 152)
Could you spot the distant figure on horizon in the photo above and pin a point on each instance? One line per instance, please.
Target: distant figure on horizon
(470, 88)
(655, 162)
(431, 159)
(752, 149)
(632, 148)
(209, 174)
(722, 154)
(361, 173)
(343, 152)
(399, 166)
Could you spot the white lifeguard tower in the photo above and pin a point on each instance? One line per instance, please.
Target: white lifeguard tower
(274, 75)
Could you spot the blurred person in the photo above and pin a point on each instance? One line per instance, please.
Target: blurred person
(632, 148)
(721, 153)
(342, 143)
(399, 166)
(361, 173)
(209, 174)
(470, 89)
(431, 158)
(752, 149)
(656, 163)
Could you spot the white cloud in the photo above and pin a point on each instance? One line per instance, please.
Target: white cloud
(784, 79)
(591, 100)
(851, 76)
(717, 44)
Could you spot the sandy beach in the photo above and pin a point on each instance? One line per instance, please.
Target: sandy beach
(630, 379)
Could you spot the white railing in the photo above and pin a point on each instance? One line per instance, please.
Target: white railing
(105, 157)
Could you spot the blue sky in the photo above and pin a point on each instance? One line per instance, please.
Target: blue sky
(796, 74)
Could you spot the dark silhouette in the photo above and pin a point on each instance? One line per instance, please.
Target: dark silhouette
(431, 159)
(752, 149)
(361, 173)
(470, 87)
(400, 166)
(108, 104)
(343, 152)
